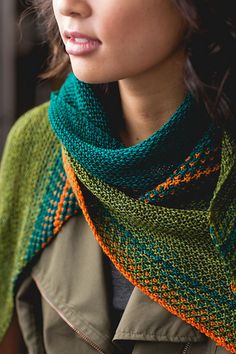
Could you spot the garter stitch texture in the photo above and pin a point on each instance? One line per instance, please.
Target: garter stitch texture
(163, 210)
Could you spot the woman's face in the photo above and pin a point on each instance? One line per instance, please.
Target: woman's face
(110, 40)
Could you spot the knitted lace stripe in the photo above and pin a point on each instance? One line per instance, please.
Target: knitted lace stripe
(171, 267)
(57, 206)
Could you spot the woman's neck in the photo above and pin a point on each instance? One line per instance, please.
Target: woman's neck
(149, 100)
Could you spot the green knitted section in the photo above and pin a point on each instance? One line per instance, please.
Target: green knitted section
(19, 206)
(168, 253)
(32, 186)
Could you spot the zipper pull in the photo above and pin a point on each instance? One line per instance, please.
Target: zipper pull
(186, 348)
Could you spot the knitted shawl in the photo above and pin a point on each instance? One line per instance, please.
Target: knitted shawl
(162, 210)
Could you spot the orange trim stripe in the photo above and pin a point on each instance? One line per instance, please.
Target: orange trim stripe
(233, 287)
(57, 221)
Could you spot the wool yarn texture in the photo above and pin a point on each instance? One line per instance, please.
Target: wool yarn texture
(162, 210)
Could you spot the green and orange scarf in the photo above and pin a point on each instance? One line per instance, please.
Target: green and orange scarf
(164, 210)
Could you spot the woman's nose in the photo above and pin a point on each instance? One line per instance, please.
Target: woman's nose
(73, 8)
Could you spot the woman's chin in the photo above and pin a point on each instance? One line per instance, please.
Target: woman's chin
(90, 76)
(94, 74)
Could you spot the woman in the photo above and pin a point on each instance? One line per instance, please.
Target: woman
(133, 156)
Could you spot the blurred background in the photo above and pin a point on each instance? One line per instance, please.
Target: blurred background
(22, 59)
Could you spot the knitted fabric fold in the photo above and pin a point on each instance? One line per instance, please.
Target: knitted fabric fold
(164, 210)
(89, 139)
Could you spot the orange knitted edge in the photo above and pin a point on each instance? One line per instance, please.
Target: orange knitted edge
(78, 193)
(233, 287)
(57, 222)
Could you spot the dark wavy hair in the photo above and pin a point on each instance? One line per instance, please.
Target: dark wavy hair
(210, 69)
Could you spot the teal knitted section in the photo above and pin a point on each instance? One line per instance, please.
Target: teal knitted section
(58, 205)
(82, 125)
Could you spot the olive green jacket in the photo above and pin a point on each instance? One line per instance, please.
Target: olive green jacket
(64, 306)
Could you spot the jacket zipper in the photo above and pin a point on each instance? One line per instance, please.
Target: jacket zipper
(78, 332)
(186, 348)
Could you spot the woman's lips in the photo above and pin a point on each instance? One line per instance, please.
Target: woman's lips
(79, 44)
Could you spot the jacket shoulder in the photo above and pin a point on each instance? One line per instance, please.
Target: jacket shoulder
(30, 137)
(28, 124)
(29, 156)
(30, 151)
